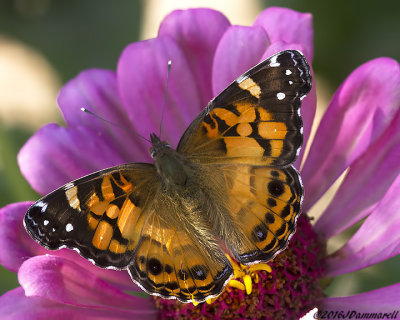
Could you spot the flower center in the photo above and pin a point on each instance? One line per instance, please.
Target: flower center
(284, 288)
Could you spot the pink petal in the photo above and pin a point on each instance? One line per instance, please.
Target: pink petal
(198, 44)
(240, 49)
(360, 111)
(97, 91)
(366, 182)
(142, 79)
(56, 155)
(289, 26)
(65, 282)
(16, 246)
(376, 240)
(14, 305)
(384, 300)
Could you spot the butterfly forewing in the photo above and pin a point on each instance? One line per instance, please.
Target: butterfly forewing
(256, 120)
(99, 215)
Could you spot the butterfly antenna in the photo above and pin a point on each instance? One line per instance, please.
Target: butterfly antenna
(165, 96)
(112, 123)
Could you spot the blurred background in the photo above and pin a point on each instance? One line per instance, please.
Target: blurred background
(44, 43)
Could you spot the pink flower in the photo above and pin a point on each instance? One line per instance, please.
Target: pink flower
(360, 132)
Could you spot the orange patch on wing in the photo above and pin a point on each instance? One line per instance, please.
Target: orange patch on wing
(272, 130)
(247, 112)
(264, 114)
(244, 129)
(128, 220)
(92, 222)
(112, 211)
(126, 186)
(117, 247)
(212, 133)
(102, 236)
(276, 148)
(106, 189)
(92, 200)
(228, 116)
(242, 147)
(99, 207)
(249, 85)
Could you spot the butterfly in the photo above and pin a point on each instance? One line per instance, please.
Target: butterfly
(228, 187)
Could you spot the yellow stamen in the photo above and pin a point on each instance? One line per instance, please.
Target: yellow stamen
(248, 283)
(259, 267)
(236, 284)
(243, 277)
(234, 264)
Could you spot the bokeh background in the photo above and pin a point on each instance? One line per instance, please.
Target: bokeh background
(44, 43)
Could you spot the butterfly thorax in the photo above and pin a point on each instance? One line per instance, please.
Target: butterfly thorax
(168, 162)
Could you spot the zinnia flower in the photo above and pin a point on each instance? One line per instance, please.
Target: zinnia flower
(360, 133)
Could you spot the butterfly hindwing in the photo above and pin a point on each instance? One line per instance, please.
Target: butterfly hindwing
(99, 215)
(265, 203)
(255, 120)
(171, 263)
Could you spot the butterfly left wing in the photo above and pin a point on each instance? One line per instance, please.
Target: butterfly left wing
(97, 215)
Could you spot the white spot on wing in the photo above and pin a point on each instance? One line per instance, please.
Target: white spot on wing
(69, 227)
(241, 78)
(69, 185)
(42, 205)
(46, 222)
(290, 82)
(288, 72)
(280, 95)
(274, 62)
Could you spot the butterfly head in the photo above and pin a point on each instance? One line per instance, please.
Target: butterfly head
(157, 145)
(167, 161)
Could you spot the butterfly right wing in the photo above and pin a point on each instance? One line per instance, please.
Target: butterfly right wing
(99, 215)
